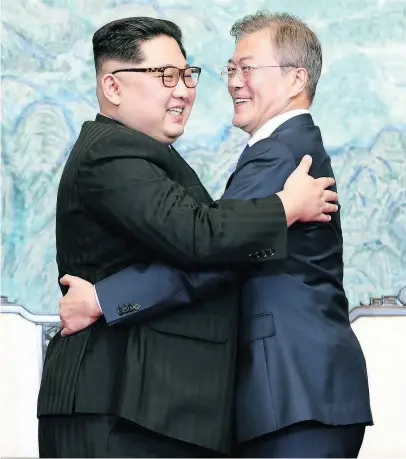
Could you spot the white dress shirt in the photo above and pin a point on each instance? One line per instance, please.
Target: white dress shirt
(271, 125)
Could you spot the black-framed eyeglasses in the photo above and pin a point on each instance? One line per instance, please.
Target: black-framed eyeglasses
(170, 75)
(245, 72)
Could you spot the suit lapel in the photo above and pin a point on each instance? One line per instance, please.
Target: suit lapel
(229, 180)
(242, 155)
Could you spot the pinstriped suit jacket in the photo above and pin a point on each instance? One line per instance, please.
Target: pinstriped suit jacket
(123, 199)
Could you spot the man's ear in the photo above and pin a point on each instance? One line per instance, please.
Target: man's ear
(298, 80)
(111, 88)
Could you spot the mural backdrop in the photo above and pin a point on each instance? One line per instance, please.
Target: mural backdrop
(48, 90)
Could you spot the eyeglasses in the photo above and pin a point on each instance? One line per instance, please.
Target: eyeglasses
(245, 72)
(170, 75)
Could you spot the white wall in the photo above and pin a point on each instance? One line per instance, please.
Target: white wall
(383, 341)
(20, 364)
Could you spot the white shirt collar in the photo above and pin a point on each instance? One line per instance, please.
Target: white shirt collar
(271, 125)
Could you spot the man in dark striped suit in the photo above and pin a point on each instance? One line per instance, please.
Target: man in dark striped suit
(162, 387)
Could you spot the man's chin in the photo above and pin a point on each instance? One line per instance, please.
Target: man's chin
(239, 123)
(175, 133)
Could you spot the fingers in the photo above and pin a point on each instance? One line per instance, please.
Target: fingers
(330, 195)
(323, 218)
(326, 182)
(65, 332)
(305, 164)
(66, 279)
(329, 208)
(71, 327)
(75, 324)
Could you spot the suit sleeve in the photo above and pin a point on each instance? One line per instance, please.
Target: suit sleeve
(142, 291)
(132, 293)
(136, 199)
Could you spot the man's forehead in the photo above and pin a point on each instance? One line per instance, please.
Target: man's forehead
(252, 47)
(156, 63)
(161, 45)
(162, 58)
(237, 58)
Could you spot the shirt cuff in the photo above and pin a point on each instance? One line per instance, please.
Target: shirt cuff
(97, 298)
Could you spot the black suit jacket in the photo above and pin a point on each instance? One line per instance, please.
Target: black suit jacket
(125, 198)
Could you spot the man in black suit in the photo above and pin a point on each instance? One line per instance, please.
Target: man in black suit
(163, 387)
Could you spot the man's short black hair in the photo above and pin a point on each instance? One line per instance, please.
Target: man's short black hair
(121, 40)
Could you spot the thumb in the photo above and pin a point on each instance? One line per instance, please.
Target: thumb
(67, 279)
(65, 332)
(305, 164)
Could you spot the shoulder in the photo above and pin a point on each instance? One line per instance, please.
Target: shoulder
(302, 140)
(267, 150)
(115, 141)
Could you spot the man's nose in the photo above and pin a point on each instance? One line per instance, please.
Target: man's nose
(181, 90)
(236, 81)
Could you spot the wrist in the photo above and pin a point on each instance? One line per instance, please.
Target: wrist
(97, 310)
(290, 206)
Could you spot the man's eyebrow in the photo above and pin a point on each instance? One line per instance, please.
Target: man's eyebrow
(245, 58)
(161, 65)
(168, 65)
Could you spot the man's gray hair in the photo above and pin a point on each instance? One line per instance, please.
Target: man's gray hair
(295, 43)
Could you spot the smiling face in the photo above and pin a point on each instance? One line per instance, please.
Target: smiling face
(141, 101)
(259, 94)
